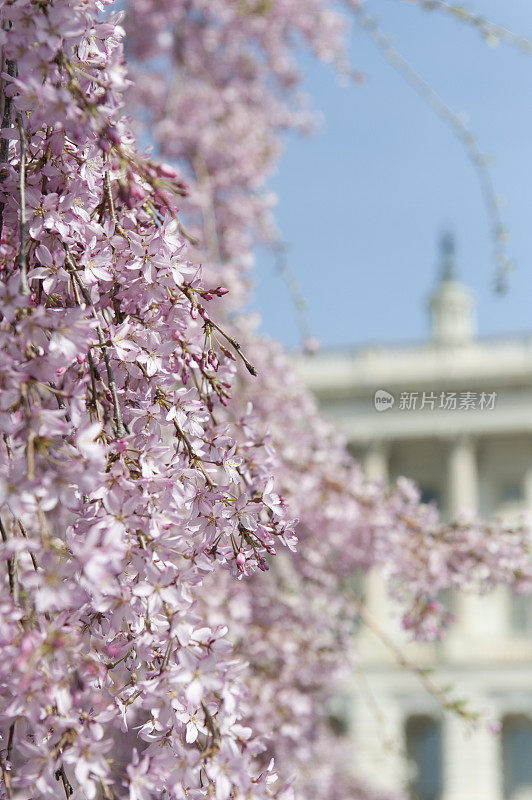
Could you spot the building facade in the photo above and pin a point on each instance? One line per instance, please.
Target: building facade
(454, 413)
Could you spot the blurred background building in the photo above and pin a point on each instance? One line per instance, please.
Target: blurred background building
(454, 413)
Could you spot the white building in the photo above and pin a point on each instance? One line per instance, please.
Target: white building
(455, 414)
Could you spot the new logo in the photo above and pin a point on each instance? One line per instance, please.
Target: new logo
(383, 400)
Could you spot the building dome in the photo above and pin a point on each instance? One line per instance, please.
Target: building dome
(452, 307)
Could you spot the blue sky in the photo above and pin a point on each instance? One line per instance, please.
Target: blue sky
(362, 204)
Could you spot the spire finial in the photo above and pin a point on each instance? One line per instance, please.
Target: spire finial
(447, 250)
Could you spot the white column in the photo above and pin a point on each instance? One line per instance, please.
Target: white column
(375, 464)
(462, 477)
(471, 760)
(375, 461)
(462, 495)
(477, 617)
(378, 737)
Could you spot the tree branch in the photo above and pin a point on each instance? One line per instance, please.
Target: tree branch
(458, 127)
(7, 121)
(438, 692)
(120, 428)
(24, 288)
(11, 568)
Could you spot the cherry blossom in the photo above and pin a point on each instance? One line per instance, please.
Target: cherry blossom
(179, 526)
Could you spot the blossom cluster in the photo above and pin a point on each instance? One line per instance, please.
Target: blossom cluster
(218, 85)
(121, 484)
(164, 636)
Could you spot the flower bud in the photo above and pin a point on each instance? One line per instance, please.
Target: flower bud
(228, 353)
(113, 135)
(166, 171)
(136, 192)
(103, 144)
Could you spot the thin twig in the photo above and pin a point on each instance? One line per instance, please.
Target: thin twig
(25, 535)
(212, 726)
(67, 786)
(208, 321)
(30, 448)
(10, 740)
(94, 375)
(195, 459)
(120, 428)
(431, 686)
(24, 288)
(108, 192)
(11, 568)
(194, 241)
(210, 224)
(6, 775)
(233, 342)
(7, 114)
(458, 127)
(7, 122)
(491, 31)
(387, 738)
(279, 249)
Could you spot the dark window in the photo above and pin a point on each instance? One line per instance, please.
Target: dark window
(424, 750)
(511, 493)
(516, 755)
(430, 495)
